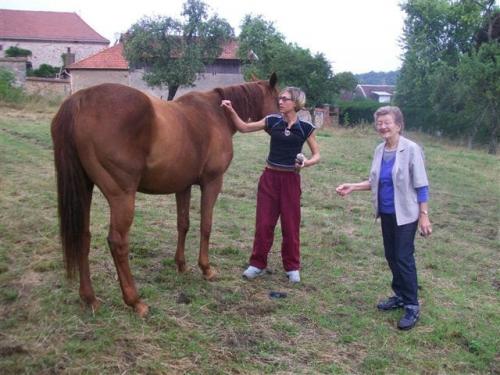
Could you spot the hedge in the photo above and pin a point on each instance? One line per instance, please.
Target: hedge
(357, 111)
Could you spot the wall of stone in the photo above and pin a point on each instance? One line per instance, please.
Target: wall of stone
(205, 82)
(50, 52)
(48, 87)
(81, 79)
(17, 65)
(209, 81)
(135, 80)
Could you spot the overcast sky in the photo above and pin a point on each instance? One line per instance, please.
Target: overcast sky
(354, 35)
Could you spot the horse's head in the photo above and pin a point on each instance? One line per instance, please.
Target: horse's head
(253, 100)
(270, 96)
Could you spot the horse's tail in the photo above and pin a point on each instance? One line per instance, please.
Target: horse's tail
(74, 188)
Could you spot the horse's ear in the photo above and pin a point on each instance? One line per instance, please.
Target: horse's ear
(273, 80)
(253, 77)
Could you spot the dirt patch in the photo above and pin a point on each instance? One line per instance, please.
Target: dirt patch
(6, 351)
(183, 298)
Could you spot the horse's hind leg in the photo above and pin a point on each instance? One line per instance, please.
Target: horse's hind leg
(86, 291)
(183, 199)
(122, 215)
(209, 193)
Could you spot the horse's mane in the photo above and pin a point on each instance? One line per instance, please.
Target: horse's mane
(246, 99)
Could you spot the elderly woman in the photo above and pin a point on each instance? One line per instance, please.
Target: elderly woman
(399, 186)
(278, 194)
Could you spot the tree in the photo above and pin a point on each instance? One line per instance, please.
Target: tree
(259, 42)
(173, 52)
(265, 51)
(9, 92)
(479, 82)
(296, 66)
(45, 70)
(344, 81)
(442, 54)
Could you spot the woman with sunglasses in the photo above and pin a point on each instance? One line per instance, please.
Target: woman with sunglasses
(278, 194)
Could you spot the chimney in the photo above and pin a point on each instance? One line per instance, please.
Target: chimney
(68, 57)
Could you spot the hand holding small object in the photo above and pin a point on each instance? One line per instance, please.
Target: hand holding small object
(300, 160)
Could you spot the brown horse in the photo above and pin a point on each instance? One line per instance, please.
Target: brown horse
(124, 141)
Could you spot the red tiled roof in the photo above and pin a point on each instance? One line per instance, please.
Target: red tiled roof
(110, 58)
(47, 26)
(229, 51)
(114, 58)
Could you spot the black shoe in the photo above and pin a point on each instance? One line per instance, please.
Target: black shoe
(392, 303)
(409, 319)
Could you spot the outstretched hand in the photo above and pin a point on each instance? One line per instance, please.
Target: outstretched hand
(344, 189)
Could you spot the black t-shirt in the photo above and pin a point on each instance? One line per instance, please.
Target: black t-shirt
(286, 144)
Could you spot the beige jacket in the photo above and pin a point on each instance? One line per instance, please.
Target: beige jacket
(408, 174)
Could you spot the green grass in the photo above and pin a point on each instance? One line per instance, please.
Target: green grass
(327, 324)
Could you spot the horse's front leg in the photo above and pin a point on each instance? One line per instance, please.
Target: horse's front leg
(122, 215)
(209, 193)
(183, 200)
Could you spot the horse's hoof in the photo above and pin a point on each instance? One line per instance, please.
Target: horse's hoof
(92, 304)
(209, 275)
(141, 309)
(182, 268)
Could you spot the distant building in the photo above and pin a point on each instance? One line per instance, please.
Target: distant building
(379, 93)
(111, 66)
(50, 36)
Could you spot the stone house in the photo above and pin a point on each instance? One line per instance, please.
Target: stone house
(49, 36)
(111, 66)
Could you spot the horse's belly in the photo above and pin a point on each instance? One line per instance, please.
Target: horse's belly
(163, 181)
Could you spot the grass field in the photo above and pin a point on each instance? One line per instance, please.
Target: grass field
(327, 324)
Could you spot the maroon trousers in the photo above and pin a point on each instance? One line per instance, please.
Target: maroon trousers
(278, 196)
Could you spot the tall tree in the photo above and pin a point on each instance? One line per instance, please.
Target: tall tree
(479, 83)
(173, 52)
(344, 81)
(440, 39)
(266, 51)
(259, 42)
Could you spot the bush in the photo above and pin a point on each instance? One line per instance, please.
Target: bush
(45, 71)
(17, 52)
(358, 111)
(8, 91)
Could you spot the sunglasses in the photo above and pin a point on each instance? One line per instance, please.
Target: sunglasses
(284, 99)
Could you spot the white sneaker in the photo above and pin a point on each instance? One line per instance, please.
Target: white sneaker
(293, 276)
(252, 272)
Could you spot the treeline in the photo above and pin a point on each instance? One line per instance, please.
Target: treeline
(450, 78)
(378, 78)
